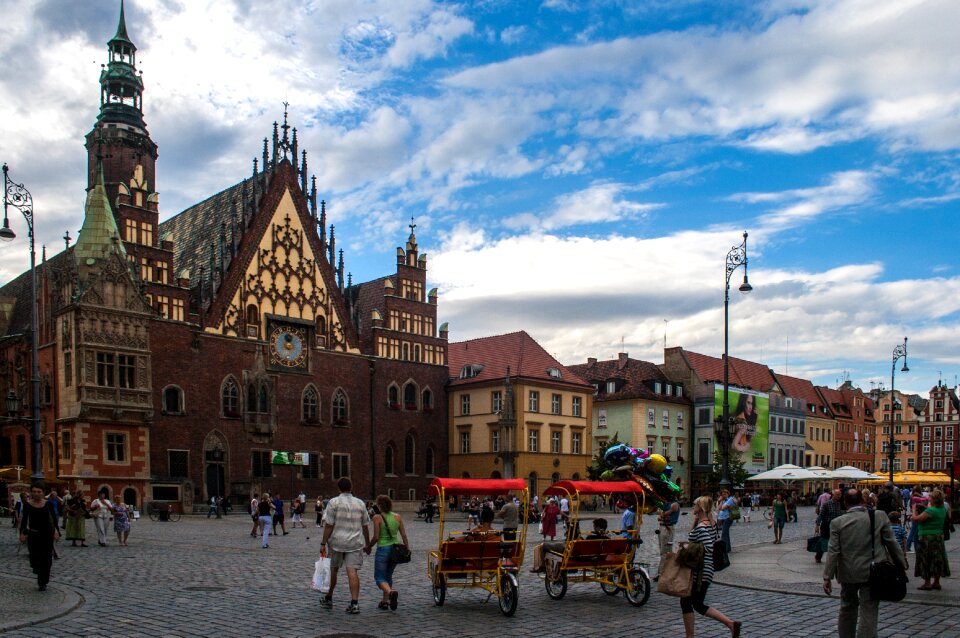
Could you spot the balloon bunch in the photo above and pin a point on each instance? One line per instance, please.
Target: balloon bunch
(649, 470)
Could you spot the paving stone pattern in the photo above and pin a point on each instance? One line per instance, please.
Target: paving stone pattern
(204, 578)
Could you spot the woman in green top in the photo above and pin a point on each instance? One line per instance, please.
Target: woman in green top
(931, 561)
(388, 529)
(779, 518)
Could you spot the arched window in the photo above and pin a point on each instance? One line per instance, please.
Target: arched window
(340, 408)
(251, 398)
(410, 396)
(409, 452)
(427, 400)
(532, 483)
(172, 403)
(311, 405)
(253, 321)
(429, 462)
(388, 460)
(393, 396)
(230, 398)
(264, 400)
(555, 477)
(495, 474)
(406, 352)
(576, 476)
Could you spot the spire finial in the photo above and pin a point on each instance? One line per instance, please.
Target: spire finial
(66, 240)
(121, 26)
(412, 225)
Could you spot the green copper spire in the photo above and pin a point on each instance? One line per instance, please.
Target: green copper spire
(121, 35)
(121, 87)
(99, 236)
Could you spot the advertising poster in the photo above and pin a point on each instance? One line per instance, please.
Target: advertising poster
(290, 458)
(750, 412)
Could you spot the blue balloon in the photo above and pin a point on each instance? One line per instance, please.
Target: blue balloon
(667, 471)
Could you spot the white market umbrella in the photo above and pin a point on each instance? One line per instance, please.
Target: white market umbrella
(850, 473)
(821, 472)
(786, 473)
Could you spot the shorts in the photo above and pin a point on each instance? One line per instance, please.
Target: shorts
(779, 523)
(350, 560)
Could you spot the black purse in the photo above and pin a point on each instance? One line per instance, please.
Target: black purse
(721, 559)
(888, 581)
(399, 553)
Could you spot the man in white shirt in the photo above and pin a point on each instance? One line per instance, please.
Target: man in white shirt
(565, 511)
(345, 531)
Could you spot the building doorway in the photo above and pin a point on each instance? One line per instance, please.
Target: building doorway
(215, 463)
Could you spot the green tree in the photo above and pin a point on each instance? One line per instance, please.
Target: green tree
(598, 466)
(738, 474)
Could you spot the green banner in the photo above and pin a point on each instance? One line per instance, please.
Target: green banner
(290, 458)
(750, 412)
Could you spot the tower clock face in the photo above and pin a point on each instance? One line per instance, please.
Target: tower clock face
(288, 347)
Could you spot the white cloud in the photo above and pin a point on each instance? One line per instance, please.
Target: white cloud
(513, 34)
(599, 203)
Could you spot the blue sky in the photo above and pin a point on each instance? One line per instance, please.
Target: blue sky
(576, 169)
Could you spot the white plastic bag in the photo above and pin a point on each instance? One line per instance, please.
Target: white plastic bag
(321, 575)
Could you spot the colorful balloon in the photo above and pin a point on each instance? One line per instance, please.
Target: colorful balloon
(657, 463)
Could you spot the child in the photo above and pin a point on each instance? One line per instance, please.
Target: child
(599, 529)
(898, 532)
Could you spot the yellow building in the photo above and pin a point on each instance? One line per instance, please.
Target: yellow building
(515, 411)
(905, 422)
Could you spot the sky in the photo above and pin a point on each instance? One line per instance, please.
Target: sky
(578, 170)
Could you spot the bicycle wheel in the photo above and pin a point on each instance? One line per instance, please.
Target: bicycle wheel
(439, 590)
(154, 514)
(174, 516)
(639, 588)
(556, 588)
(509, 594)
(611, 587)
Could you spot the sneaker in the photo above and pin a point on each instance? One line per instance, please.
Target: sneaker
(354, 608)
(326, 603)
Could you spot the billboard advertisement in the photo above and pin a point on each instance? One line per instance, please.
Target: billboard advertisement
(289, 458)
(750, 412)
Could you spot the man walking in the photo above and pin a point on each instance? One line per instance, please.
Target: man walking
(852, 549)
(345, 532)
(278, 514)
(565, 511)
(828, 512)
(511, 519)
(723, 517)
(669, 517)
(214, 506)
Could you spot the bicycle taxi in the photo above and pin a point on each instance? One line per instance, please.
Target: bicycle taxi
(609, 560)
(478, 561)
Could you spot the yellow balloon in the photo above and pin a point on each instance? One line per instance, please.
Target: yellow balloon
(656, 464)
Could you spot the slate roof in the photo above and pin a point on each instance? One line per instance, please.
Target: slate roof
(19, 290)
(193, 229)
(637, 377)
(525, 358)
(370, 296)
(743, 373)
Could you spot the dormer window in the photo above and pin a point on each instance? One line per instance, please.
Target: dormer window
(678, 390)
(656, 387)
(554, 373)
(611, 387)
(471, 370)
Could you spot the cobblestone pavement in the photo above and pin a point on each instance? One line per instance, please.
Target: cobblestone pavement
(201, 577)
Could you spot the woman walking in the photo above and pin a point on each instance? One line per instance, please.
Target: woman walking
(548, 521)
(77, 520)
(39, 531)
(100, 509)
(121, 522)
(704, 531)
(931, 561)
(388, 530)
(779, 518)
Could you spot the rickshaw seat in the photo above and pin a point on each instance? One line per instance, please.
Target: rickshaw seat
(596, 552)
(468, 556)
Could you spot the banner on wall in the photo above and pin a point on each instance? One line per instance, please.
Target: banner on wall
(289, 458)
(750, 411)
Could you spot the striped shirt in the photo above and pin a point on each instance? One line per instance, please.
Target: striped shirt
(707, 535)
(348, 515)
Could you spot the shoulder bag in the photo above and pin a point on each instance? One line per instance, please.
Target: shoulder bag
(399, 553)
(721, 559)
(675, 579)
(888, 581)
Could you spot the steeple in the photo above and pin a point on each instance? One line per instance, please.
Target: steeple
(99, 236)
(121, 88)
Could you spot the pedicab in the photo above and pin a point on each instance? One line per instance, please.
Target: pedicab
(607, 560)
(485, 561)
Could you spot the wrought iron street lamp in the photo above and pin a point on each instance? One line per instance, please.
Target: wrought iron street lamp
(735, 258)
(20, 198)
(899, 352)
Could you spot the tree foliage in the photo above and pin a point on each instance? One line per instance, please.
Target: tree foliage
(738, 473)
(598, 466)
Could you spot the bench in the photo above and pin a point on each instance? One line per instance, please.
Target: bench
(468, 556)
(593, 553)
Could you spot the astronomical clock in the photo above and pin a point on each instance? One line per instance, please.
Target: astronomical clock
(288, 346)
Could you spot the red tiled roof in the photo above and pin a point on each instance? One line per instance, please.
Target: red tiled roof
(517, 351)
(636, 375)
(743, 373)
(801, 389)
(835, 401)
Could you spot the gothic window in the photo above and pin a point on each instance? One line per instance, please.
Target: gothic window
(410, 396)
(253, 321)
(393, 396)
(230, 398)
(172, 400)
(429, 463)
(409, 450)
(311, 405)
(251, 398)
(264, 400)
(340, 408)
(427, 399)
(104, 369)
(388, 460)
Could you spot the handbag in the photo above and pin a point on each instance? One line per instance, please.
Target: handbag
(813, 544)
(321, 575)
(399, 553)
(721, 558)
(888, 581)
(734, 512)
(675, 579)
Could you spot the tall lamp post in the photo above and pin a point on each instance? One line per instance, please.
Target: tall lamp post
(899, 352)
(735, 258)
(20, 198)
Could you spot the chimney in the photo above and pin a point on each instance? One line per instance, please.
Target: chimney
(591, 361)
(621, 360)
